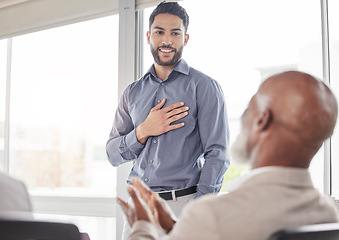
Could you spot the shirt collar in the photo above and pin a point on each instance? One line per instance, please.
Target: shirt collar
(240, 181)
(181, 67)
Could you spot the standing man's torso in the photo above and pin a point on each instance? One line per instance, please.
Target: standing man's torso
(169, 161)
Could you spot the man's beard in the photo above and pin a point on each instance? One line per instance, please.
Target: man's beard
(176, 58)
(238, 150)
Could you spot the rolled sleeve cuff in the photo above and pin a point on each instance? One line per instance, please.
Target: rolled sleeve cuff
(199, 194)
(133, 144)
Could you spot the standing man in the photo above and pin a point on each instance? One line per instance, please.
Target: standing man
(172, 122)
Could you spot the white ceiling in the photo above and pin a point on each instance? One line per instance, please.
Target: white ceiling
(7, 3)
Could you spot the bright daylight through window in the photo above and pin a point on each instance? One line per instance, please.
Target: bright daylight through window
(64, 90)
(63, 98)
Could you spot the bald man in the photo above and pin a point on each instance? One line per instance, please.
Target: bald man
(285, 124)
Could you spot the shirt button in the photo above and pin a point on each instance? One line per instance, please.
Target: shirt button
(151, 161)
(155, 141)
(158, 101)
(163, 84)
(146, 179)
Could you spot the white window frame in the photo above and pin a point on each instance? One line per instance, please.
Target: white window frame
(326, 80)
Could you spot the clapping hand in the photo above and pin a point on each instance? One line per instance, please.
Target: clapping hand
(148, 206)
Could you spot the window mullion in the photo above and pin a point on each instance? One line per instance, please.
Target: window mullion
(326, 79)
(127, 75)
(7, 106)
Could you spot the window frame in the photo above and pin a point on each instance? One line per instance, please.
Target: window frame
(326, 80)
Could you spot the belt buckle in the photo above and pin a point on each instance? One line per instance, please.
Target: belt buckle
(174, 197)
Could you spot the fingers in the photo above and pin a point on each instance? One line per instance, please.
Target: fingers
(177, 117)
(157, 206)
(173, 109)
(159, 106)
(177, 111)
(173, 106)
(124, 205)
(164, 217)
(134, 196)
(146, 194)
(175, 126)
(143, 190)
(128, 211)
(140, 210)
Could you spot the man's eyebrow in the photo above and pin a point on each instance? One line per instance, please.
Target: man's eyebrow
(174, 29)
(160, 28)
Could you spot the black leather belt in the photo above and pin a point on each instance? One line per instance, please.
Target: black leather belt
(178, 193)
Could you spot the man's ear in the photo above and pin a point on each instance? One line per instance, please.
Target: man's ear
(187, 36)
(148, 36)
(264, 120)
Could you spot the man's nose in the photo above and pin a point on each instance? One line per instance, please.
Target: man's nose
(167, 40)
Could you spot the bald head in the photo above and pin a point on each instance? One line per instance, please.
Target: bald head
(301, 104)
(288, 120)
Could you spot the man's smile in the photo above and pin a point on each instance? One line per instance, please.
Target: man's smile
(166, 50)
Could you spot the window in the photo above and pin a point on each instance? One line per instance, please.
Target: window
(63, 99)
(63, 95)
(333, 18)
(241, 43)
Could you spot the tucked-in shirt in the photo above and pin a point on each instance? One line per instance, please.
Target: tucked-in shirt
(190, 155)
(266, 200)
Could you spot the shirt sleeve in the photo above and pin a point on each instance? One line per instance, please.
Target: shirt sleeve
(143, 230)
(122, 145)
(214, 134)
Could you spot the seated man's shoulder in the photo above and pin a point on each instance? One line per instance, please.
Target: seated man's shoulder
(209, 201)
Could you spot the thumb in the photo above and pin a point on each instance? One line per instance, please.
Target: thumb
(159, 106)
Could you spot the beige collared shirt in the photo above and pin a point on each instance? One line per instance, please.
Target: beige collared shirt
(258, 204)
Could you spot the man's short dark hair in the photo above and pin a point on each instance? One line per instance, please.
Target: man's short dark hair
(172, 8)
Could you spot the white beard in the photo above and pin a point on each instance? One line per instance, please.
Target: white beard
(238, 150)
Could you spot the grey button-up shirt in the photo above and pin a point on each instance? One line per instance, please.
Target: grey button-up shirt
(194, 154)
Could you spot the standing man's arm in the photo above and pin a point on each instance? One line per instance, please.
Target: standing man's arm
(214, 133)
(123, 145)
